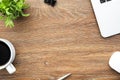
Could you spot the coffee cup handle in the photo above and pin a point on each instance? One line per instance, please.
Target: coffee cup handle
(10, 68)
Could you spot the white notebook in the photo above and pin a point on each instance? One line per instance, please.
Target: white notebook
(107, 13)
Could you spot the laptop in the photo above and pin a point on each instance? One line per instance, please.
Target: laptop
(107, 13)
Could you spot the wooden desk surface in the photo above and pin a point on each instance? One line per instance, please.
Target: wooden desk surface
(55, 41)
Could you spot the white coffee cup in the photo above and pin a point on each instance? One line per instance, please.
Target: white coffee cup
(9, 66)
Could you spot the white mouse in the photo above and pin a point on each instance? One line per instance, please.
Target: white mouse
(114, 61)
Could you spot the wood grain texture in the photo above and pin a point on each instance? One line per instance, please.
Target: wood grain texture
(52, 42)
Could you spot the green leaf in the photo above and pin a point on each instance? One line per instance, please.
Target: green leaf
(25, 15)
(9, 22)
(7, 11)
(15, 0)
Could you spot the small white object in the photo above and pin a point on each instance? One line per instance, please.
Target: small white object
(10, 68)
(65, 76)
(114, 61)
(108, 16)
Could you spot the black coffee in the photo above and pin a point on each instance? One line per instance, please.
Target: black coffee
(4, 53)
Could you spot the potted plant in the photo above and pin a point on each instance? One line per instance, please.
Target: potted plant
(11, 10)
